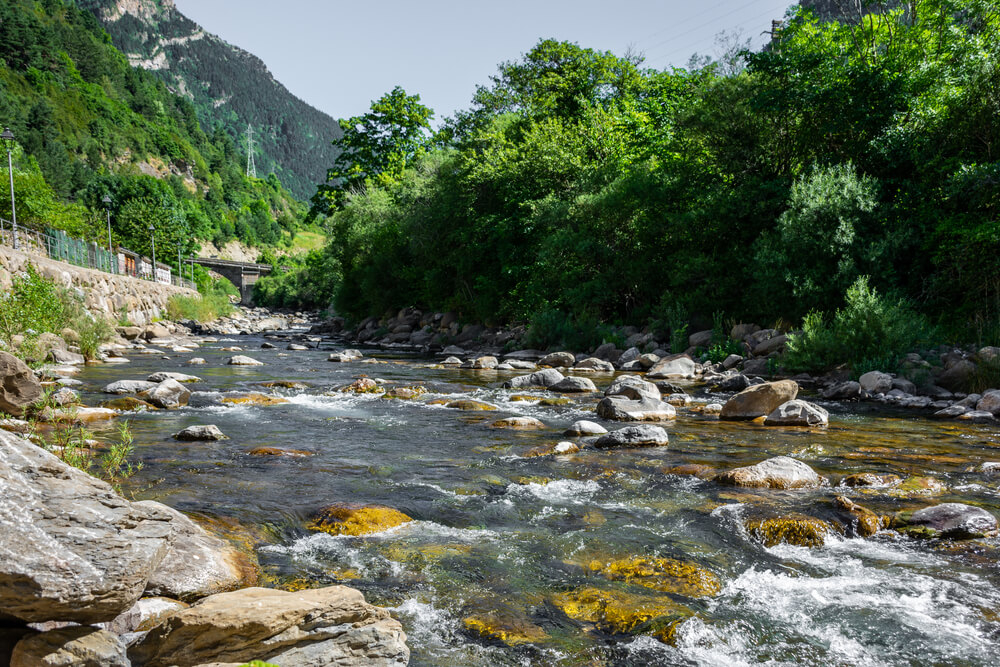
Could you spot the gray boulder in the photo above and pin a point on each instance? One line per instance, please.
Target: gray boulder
(205, 432)
(629, 355)
(633, 388)
(129, 386)
(990, 402)
(168, 395)
(573, 385)
(620, 408)
(759, 400)
(241, 360)
(770, 345)
(674, 366)
(167, 375)
(484, 363)
(196, 564)
(876, 382)
(76, 646)
(958, 376)
(584, 428)
(321, 627)
(798, 413)
(596, 365)
(19, 388)
(66, 358)
(843, 391)
(780, 472)
(558, 359)
(634, 436)
(73, 550)
(543, 378)
(948, 520)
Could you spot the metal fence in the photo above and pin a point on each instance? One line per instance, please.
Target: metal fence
(56, 244)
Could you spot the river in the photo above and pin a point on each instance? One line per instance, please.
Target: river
(508, 538)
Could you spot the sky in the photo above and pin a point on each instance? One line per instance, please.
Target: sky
(339, 55)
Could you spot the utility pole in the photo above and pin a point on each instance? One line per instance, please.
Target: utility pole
(251, 166)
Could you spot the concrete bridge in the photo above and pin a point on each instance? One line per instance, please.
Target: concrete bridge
(241, 274)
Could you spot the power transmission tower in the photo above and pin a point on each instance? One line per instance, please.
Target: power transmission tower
(251, 166)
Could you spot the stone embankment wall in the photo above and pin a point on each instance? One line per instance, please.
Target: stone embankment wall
(104, 293)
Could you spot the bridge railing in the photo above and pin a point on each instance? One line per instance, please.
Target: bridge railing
(56, 244)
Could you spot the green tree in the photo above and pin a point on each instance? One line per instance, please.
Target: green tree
(375, 148)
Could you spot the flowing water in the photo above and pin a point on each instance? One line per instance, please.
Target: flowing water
(501, 536)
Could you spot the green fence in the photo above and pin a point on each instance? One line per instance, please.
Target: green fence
(79, 252)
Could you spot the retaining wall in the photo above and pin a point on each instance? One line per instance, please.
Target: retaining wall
(104, 293)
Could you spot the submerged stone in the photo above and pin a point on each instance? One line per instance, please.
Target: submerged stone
(470, 404)
(616, 612)
(350, 519)
(518, 423)
(801, 531)
(254, 398)
(666, 575)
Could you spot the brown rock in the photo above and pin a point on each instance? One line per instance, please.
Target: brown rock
(759, 400)
(19, 387)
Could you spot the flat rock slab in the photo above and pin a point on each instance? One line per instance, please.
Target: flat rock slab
(620, 408)
(674, 366)
(129, 386)
(71, 549)
(634, 436)
(79, 646)
(241, 360)
(543, 378)
(321, 627)
(167, 375)
(573, 385)
(780, 472)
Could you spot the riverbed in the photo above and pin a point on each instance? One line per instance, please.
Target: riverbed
(500, 540)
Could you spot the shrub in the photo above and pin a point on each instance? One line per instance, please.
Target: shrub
(212, 304)
(32, 306)
(870, 332)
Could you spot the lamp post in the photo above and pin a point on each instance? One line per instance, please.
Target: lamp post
(152, 239)
(8, 140)
(191, 259)
(106, 200)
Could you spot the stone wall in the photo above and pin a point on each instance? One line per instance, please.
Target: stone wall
(104, 293)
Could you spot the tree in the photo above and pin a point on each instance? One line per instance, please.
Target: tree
(375, 148)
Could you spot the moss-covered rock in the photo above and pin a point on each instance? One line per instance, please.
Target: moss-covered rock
(254, 398)
(801, 531)
(350, 519)
(666, 575)
(469, 404)
(128, 404)
(363, 385)
(518, 424)
(859, 520)
(405, 393)
(617, 612)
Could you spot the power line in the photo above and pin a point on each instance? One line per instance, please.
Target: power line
(687, 20)
(705, 24)
(669, 55)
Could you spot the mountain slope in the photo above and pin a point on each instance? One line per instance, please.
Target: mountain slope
(228, 87)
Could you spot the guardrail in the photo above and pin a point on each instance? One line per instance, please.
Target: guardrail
(56, 244)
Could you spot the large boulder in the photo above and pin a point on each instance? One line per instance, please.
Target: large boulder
(633, 387)
(596, 365)
(990, 402)
(770, 345)
(543, 378)
(322, 627)
(573, 385)
(780, 472)
(620, 408)
(129, 386)
(798, 413)
(674, 366)
(72, 549)
(242, 360)
(843, 391)
(958, 376)
(19, 387)
(200, 432)
(196, 564)
(66, 358)
(556, 359)
(634, 436)
(75, 646)
(948, 520)
(759, 400)
(168, 394)
(876, 382)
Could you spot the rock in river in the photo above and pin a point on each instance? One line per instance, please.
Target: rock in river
(129, 386)
(73, 550)
(780, 472)
(634, 436)
(206, 432)
(242, 360)
(196, 564)
(19, 387)
(633, 387)
(168, 394)
(948, 520)
(798, 413)
(759, 400)
(351, 519)
(322, 627)
(167, 375)
(584, 427)
(619, 408)
(543, 378)
(573, 385)
(518, 423)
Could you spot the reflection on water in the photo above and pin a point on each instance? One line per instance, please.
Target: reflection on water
(502, 540)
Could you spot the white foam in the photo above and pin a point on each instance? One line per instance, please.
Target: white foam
(562, 491)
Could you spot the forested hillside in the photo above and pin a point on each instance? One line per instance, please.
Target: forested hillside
(228, 87)
(87, 124)
(581, 187)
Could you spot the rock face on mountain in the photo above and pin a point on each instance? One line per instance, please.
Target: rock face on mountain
(228, 86)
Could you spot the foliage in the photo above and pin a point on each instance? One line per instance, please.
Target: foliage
(89, 125)
(375, 148)
(553, 329)
(212, 304)
(871, 332)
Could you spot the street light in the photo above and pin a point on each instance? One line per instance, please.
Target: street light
(152, 238)
(106, 200)
(191, 259)
(8, 141)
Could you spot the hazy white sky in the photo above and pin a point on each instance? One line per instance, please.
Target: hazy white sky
(339, 56)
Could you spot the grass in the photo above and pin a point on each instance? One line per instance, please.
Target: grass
(303, 242)
(203, 308)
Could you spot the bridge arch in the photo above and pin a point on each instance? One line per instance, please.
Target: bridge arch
(242, 274)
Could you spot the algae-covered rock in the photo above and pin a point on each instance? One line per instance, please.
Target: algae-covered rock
(866, 479)
(666, 575)
(350, 519)
(405, 393)
(254, 398)
(472, 405)
(128, 404)
(801, 531)
(518, 423)
(616, 612)
(503, 623)
(363, 385)
(859, 520)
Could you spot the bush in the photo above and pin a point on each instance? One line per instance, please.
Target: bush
(870, 332)
(212, 304)
(555, 329)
